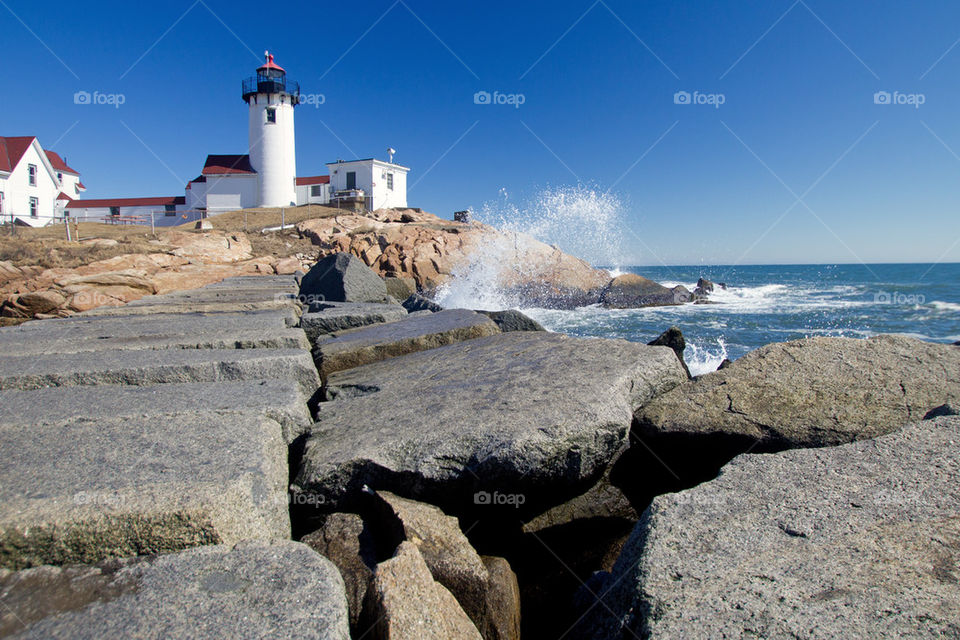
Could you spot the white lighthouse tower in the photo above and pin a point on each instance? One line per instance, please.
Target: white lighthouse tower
(271, 99)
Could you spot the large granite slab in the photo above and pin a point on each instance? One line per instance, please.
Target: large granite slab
(86, 326)
(329, 317)
(357, 347)
(154, 367)
(532, 413)
(129, 338)
(251, 590)
(192, 307)
(279, 400)
(91, 488)
(855, 541)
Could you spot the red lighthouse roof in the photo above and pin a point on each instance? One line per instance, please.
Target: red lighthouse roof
(269, 65)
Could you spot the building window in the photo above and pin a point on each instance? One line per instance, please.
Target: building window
(351, 179)
(1, 202)
(316, 191)
(60, 178)
(34, 206)
(32, 171)
(169, 210)
(390, 181)
(271, 116)
(114, 211)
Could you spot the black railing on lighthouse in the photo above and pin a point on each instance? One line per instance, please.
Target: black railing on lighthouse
(264, 84)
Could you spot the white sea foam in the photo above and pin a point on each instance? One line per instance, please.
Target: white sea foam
(583, 222)
(702, 358)
(940, 305)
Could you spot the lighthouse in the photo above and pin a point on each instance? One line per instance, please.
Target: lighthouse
(271, 98)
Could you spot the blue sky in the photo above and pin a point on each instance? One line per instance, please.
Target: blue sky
(799, 164)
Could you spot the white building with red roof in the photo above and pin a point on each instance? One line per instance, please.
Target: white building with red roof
(266, 176)
(35, 184)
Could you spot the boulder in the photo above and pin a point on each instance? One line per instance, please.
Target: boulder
(502, 422)
(674, 339)
(85, 489)
(342, 278)
(330, 317)
(357, 347)
(810, 393)
(41, 301)
(417, 302)
(348, 543)
(287, 266)
(400, 288)
(513, 320)
(629, 291)
(858, 540)
(448, 554)
(252, 590)
(703, 288)
(503, 600)
(405, 601)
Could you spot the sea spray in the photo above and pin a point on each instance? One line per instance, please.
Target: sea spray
(580, 221)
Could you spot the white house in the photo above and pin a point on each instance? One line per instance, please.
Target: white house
(34, 184)
(266, 176)
(383, 184)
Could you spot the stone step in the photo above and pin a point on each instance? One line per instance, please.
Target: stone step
(130, 339)
(214, 296)
(191, 307)
(279, 400)
(88, 489)
(342, 316)
(252, 590)
(184, 323)
(357, 347)
(156, 367)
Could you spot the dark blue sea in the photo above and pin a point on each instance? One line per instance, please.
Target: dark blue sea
(764, 304)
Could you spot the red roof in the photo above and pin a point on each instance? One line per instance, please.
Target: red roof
(227, 165)
(270, 65)
(64, 196)
(59, 164)
(80, 186)
(12, 150)
(313, 180)
(126, 202)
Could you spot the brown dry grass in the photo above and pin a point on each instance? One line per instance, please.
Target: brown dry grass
(48, 247)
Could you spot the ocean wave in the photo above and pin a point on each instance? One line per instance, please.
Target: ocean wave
(701, 358)
(940, 305)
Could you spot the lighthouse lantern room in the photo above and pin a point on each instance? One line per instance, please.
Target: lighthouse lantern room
(271, 98)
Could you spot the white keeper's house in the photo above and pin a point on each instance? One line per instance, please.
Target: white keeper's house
(266, 176)
(35, 184)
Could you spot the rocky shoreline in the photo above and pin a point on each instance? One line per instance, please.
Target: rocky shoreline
(305, 456)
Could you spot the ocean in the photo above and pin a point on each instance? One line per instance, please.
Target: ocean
(776, 303)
